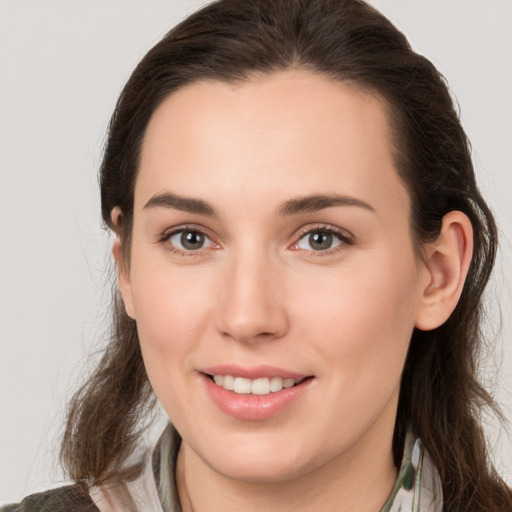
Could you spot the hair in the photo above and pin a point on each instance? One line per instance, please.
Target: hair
(441, 398)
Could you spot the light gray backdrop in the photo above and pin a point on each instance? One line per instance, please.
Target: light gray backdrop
(62, 66)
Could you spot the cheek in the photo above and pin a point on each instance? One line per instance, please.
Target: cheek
(362, 318)
(168, 303)
(172, 309)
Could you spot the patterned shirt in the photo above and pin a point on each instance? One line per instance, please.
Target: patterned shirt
(417, 488)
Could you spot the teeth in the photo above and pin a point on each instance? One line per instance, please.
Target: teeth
(276, 384)
(228, 382)
(262, 386)
(242, 385)
(288, 383)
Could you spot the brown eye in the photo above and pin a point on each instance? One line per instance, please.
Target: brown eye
(319, 240)
(189, 240)
(192, 240)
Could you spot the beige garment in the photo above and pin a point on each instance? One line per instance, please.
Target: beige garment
(417, 489)
(136, 495)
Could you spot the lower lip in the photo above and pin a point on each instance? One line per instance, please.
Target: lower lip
(254, 407)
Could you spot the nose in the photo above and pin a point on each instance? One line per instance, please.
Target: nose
(251, 303)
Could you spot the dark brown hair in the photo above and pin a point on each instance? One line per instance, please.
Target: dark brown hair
(346, 40)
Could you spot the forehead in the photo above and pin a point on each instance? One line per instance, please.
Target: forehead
(287, 131)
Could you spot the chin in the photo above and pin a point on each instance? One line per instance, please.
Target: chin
(260, 461)
(261, 471)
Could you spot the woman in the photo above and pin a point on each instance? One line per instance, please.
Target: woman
(301, 252)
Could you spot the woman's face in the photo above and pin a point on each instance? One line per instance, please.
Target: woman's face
(272, 246)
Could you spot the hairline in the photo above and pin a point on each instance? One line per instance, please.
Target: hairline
(392, 113)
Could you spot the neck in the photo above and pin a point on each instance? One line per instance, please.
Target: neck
(361, 478)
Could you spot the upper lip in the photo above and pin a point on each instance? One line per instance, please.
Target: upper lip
(253, 372)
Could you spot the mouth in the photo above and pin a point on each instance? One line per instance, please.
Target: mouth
(256, 393)
(260, 386)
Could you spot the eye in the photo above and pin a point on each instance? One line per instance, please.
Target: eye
(189, 240)
(321, 240)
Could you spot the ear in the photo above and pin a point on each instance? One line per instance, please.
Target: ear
(123, 272)
(447, 262)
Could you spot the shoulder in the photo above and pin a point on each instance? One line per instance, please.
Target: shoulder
(71, 498)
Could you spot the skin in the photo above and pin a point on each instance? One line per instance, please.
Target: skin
(256, 293)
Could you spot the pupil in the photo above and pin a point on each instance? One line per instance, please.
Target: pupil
(320, 240)
(192, 240)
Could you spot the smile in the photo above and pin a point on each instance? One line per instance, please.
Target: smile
(261, 386)
(254, 393)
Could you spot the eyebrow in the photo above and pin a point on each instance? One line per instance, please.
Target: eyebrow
(185, 204)
(306, 204)
(317, 202)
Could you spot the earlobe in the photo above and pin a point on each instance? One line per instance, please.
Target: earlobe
(123, 272)
(447, 263)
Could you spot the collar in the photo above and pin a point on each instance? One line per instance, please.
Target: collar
(417, 488)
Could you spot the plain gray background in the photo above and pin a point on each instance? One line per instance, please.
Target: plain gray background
(62, 66)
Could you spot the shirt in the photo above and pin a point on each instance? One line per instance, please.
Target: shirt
(417, 488)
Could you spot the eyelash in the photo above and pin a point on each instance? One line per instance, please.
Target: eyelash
(343, 236)
(345, 239)
(165, 239)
